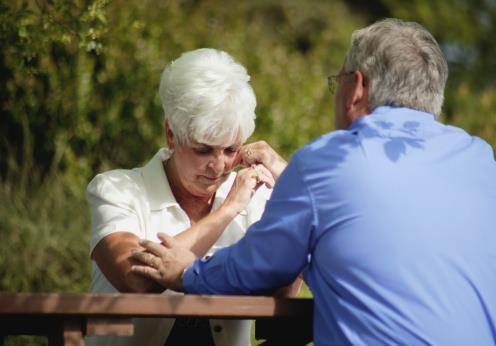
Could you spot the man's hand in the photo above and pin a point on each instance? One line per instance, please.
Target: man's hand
(165, 262)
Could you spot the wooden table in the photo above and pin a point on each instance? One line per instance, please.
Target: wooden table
(66, 318)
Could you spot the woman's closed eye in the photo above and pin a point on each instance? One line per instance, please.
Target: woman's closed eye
(232, 150)
(203, 150)
(207, 150)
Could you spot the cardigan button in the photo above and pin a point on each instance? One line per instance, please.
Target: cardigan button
(217, 329)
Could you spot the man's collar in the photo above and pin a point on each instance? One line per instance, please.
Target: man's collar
(393, 115)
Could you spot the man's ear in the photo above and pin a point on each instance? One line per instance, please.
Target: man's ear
(358, 103)
(169, 136)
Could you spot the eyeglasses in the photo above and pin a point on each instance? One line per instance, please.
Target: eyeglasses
(332, 81)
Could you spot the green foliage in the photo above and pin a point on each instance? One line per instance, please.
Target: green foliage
(44, 239)
(79, 84)
(82, 93)
(45, 46)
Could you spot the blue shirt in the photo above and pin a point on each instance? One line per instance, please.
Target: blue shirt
(393, 222)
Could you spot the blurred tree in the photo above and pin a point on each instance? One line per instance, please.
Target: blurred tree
(465, 28)
(82, 77)
(43, 43)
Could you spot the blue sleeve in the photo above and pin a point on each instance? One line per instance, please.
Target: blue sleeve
(272, 253)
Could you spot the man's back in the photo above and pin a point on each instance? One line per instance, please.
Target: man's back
(404, 247)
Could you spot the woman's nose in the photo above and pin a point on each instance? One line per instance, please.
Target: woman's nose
(217, 163)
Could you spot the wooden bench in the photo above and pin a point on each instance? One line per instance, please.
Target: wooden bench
(65, 318)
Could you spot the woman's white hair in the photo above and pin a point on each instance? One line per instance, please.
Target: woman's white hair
(207, 98)
(403, 62)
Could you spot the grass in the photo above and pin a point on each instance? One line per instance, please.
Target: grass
(45, 231)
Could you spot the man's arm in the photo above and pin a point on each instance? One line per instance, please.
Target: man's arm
(272, 253)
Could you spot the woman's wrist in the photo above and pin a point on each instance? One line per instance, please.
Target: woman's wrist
(228, 210)
(278, 167)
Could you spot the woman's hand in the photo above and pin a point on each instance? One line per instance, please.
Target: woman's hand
(262, 153)
(248, 180)
(165, 262)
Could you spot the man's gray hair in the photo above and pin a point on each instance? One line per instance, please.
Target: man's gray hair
(207, 98)
(403, 62)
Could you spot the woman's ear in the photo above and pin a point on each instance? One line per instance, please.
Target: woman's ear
(169, 136)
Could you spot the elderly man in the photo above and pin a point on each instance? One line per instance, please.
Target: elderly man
(391, 218)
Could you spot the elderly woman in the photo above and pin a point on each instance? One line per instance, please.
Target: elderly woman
(188, 191)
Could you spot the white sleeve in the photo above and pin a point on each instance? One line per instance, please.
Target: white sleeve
(114, 199)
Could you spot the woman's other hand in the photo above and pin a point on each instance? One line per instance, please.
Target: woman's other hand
(262, 153)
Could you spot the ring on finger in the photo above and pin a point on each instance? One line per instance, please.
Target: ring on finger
(257, 173)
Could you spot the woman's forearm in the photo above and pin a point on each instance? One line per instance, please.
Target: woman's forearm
(200, 237)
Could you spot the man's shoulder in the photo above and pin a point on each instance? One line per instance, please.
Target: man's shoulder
(333, 146)
(329, 140)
